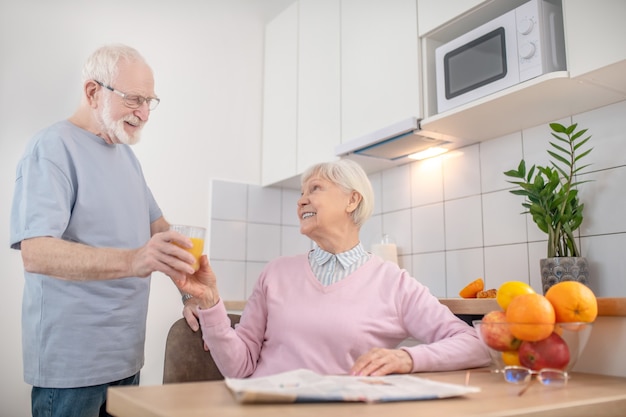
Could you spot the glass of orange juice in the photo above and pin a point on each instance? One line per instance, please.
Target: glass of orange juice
(197, 235)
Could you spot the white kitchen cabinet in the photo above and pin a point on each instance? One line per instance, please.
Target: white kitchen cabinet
(595, 33)
(280, 97)
(595, 30)
(595, 76)
(380, 77)
(301, 121)
(432, 14)
(319, 113)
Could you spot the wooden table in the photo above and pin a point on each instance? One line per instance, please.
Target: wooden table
(585, 395)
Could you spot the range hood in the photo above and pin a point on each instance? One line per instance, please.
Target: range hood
(394, 143)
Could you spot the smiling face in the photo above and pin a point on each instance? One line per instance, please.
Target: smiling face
(325, 213)
(119, 123)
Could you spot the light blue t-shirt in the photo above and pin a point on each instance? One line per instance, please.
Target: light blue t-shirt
(71, 185)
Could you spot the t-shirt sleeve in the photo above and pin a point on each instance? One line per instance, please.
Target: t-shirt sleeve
(43, 197)
(155, 210)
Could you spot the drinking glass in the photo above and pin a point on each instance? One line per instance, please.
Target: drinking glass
(197, 235)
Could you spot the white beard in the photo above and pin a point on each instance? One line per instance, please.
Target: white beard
(116, 128)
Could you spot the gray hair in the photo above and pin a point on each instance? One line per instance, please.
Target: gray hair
(102, 63)
(349, 176)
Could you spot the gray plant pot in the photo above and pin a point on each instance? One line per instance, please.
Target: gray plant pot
(565, 268)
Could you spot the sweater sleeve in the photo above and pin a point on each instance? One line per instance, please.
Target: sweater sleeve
(446, 342)
(235, 351)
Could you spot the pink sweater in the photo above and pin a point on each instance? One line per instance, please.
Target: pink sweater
(291, 321)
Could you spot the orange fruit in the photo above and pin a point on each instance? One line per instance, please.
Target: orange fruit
(511, 358)
(509, 290)
(531, 317)
(573, 301)
(471, 289)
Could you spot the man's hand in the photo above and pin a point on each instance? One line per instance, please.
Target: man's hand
(164, 253)
(379, 362)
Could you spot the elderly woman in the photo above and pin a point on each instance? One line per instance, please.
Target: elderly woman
(337, 309)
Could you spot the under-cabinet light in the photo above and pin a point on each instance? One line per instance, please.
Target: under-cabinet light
(428, 153)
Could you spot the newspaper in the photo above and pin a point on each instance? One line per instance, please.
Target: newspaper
(307, 386)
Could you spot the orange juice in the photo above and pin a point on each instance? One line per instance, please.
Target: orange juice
(196, 251)
(196, 234)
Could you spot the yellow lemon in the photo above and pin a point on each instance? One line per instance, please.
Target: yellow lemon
(511, 358)
(509, 290)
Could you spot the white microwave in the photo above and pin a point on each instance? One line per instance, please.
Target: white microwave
(519, 45)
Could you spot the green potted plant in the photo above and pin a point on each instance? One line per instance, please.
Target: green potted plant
(551, 198)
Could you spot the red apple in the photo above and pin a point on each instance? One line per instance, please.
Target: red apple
(551, 352)
(496, 334)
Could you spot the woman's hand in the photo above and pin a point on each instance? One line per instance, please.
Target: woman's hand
(379, 362)
(202, 285)
(190, 313)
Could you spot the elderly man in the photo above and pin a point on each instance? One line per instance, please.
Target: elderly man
(90, 234)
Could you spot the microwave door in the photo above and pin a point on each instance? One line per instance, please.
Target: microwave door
(479, 63)
(475, 64)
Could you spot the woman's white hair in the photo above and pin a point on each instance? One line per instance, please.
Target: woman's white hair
(349, 176)
(102, 63)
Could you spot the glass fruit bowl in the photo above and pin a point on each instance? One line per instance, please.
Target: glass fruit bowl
(560, 349)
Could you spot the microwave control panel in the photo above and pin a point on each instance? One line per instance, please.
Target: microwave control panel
(540, 40)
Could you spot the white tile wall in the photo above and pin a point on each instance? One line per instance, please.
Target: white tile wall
(461, 173)
(453, 217)
(230, 278)
(396, 183)
(253, 270)
(606, 127)
(462, 266)
(505, 263)
(228, 240)
(427, 182)
(377, 186)
(265, 205)
(607, 263)
(229, 201)
(397, 224)
(289, 215)
(464, 223)
(497, 156)
(263, 242)
(428, 228)
(536, 251)
(605, 211)
(430, 269)
(251, 225)
(502, 220)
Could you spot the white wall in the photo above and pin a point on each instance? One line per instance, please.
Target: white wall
(207, 58)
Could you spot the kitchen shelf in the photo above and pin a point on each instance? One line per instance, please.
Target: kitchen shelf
(541, 100)
(607, 306)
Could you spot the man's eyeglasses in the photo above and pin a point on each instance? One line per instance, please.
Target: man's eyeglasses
(133, 101)
(522, 375)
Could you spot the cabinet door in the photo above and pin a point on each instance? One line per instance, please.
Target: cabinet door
(319, 119)
(433, 13)
(594, 34)
(380, 78)
(280, 97)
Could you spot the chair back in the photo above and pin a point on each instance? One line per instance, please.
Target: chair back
(185, 357)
